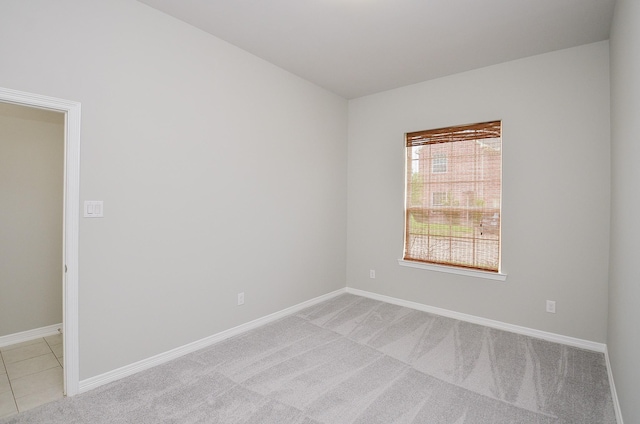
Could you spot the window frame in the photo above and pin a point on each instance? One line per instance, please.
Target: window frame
(493, 130)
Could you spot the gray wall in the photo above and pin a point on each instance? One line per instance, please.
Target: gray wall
(623, 337)
(555, 115)
(31, 188)
(220, 173)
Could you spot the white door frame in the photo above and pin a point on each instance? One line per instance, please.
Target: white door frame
(71, 218)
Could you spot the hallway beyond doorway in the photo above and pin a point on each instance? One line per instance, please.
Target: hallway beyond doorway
(30, 374)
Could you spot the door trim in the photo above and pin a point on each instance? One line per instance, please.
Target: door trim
(71, 206)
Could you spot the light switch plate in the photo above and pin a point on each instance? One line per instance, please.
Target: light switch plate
(93, 209)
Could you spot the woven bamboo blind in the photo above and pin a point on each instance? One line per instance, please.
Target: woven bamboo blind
(480, 131)
(453, 188)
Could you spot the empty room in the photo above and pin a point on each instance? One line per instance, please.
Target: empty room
(324, 211)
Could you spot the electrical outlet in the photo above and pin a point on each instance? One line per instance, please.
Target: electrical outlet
(372, 273)
(551, 306)
(241, 298)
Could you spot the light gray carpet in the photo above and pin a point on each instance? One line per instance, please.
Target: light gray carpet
(356, 360)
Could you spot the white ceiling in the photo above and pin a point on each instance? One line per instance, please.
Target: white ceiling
(360, 47)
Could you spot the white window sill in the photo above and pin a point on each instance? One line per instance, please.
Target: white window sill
(453, 270)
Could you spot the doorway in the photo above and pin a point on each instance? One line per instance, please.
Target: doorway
(31, 211)
(71, 213)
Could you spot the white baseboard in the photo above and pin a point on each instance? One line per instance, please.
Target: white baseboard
(25, 336)
(614, 394)
(108, 377)
(552, 337)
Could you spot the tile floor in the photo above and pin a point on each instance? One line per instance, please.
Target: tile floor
(30, 374)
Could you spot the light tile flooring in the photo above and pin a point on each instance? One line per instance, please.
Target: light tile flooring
(30, 374)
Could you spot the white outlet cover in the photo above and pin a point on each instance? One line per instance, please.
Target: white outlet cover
(551, 306)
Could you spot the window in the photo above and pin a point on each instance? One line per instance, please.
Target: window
(439, 198)
(439, 163)
(453, 196)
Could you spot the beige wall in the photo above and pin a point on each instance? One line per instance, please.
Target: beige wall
(220, 173)
(623, 337)
(555, 219)
(31, 192)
